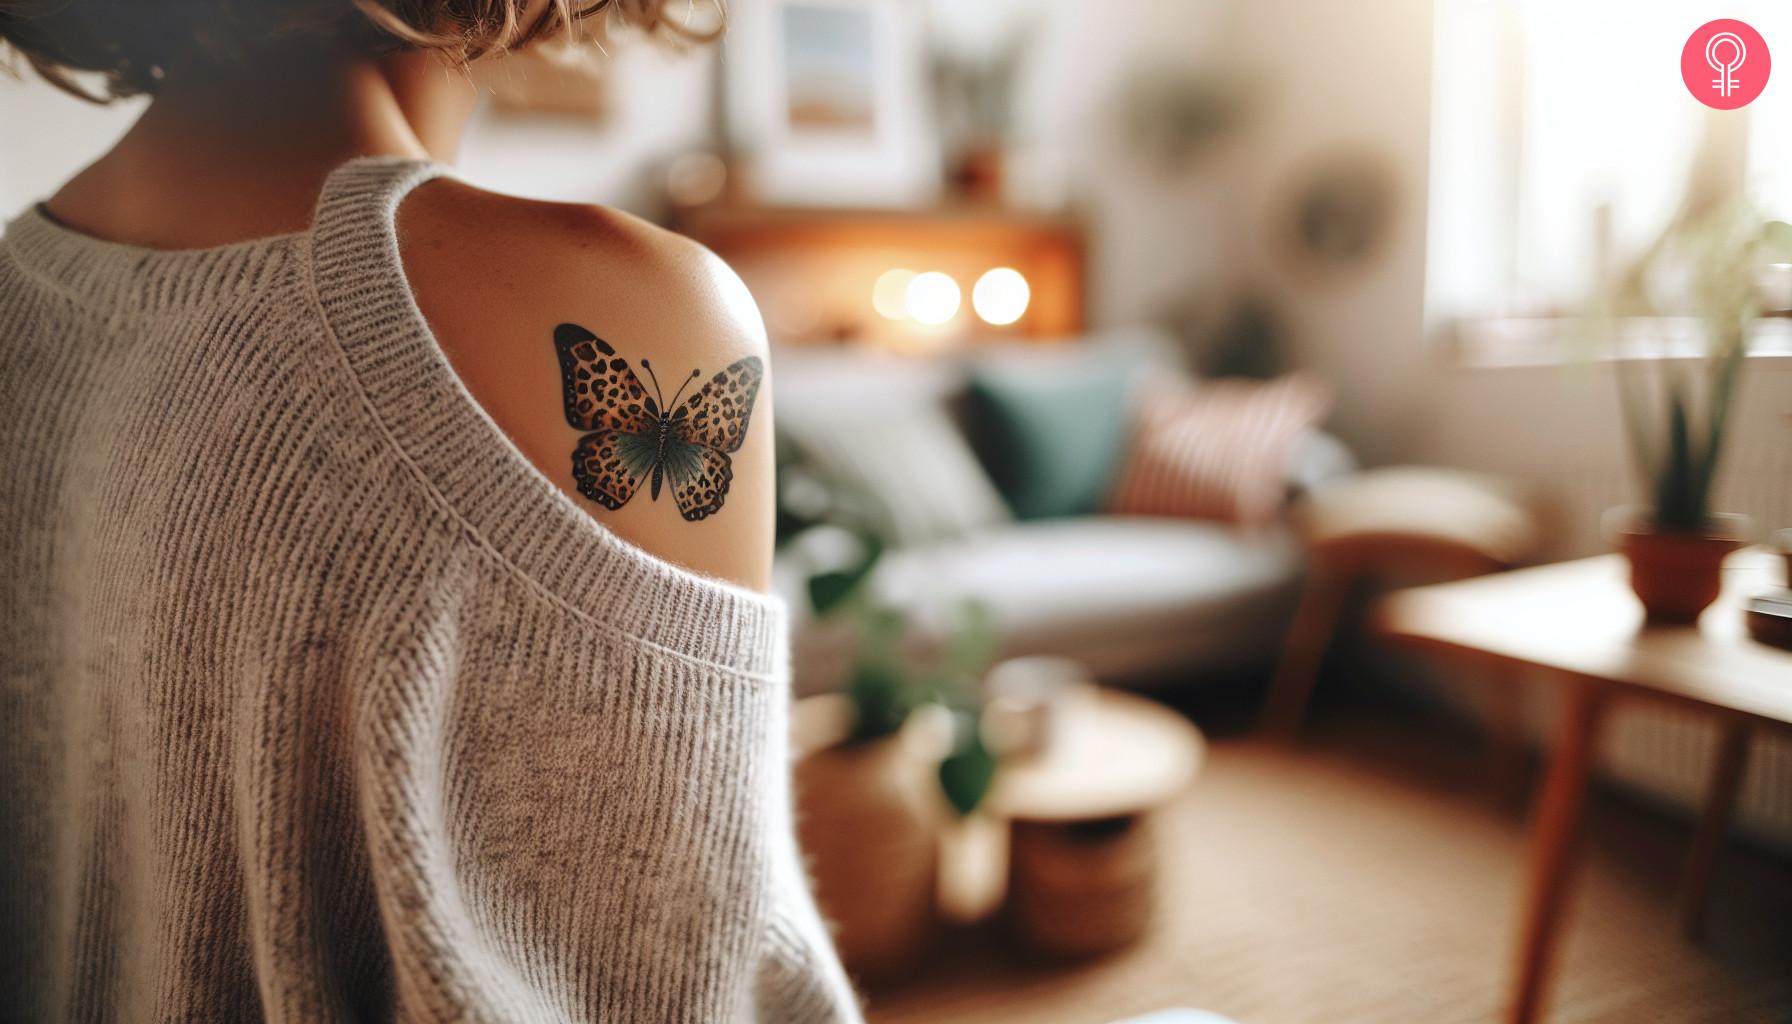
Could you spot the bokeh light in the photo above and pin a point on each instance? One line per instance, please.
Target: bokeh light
(889, 296)
(1001, 296)
(932, 298)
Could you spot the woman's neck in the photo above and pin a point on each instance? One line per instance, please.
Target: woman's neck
(224, 155)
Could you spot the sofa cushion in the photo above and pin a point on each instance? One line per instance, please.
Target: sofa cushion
(1052, 434)
(1125, 596)
(1217, 450)
(907, 466)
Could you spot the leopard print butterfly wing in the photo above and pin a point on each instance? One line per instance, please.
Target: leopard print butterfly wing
(605, 397)
(705, 430)
(601, 391)
(717, 415)
(609, 465)
(700, 477)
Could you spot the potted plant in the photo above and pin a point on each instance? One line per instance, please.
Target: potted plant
(881, 764)
(872, 768)
(1709, 264)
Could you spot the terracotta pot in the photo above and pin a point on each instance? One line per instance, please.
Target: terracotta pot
(868, 819)
(1677, 574)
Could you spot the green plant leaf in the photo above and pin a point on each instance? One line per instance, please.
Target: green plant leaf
(966, 773)
(1706, 262)
(882, 689)
(1675, 507)
(1723, 391)
(974, 643)
(830, 591)
(881, 699)
(880, 631)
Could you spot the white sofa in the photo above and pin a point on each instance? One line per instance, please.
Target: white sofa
(1137, 600)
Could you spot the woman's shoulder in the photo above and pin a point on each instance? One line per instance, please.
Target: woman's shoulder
(469, 238)
(510, 287)
(447, 211)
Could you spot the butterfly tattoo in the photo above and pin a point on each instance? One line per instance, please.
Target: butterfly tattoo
(634, 436)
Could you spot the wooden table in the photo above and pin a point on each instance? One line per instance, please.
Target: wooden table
(1108, 756)
(1578, 624)
(1083, 849)
(1111, 753)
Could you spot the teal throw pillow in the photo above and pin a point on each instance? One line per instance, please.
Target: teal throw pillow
(1052, 436)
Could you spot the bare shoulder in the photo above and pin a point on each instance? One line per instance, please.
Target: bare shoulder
(628, 363)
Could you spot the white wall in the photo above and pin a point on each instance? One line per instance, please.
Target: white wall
(1343, 77)
(47, 135)
(1155, 237)
(659, 106)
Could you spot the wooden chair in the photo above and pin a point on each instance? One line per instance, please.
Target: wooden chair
(1430, 523)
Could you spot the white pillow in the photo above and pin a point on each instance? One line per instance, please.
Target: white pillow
(910, 464)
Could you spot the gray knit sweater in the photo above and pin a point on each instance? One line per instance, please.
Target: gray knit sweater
(319, 703)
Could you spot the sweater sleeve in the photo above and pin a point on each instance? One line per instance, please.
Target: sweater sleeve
(566, 824)
(800, 979)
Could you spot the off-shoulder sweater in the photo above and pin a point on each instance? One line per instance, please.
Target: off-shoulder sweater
(318, 702)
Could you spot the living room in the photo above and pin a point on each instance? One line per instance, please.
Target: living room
(1285, 508)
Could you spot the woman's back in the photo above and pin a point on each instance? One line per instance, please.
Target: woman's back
(321, 699)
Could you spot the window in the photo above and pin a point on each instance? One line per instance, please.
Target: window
(1563, 140)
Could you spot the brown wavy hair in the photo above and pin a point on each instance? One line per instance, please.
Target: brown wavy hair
(130, 43)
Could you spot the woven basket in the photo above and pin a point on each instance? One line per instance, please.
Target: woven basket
(1081, 888)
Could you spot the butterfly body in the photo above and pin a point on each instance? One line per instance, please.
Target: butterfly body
(665, 439)
(633, 435)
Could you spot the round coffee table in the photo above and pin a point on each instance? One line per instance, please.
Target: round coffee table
(1079, 874)
(1108, 753)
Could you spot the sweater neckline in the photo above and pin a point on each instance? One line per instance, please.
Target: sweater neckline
(119, 276)
(473, 470)
(456, 452)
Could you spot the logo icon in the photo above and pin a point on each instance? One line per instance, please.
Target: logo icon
(1725, 64)
(1725, 83)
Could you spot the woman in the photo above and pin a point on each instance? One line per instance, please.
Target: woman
(383, 558)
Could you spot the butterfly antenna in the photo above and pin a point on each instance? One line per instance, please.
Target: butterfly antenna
(686, 384)
(658, 394)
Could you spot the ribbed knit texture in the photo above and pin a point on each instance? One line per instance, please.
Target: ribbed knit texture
(318, 702)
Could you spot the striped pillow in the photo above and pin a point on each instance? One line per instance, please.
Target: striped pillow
(1217, 451)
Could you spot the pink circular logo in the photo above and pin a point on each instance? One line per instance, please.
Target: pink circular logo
(1725, 64)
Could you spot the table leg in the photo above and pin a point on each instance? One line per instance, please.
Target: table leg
(1507, 752)
(1552, 844)
(1315, 619)
(1714, 821)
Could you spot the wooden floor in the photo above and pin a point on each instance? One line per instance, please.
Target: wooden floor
(1369, 878)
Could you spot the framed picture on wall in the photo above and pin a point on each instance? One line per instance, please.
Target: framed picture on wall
(827, 102)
